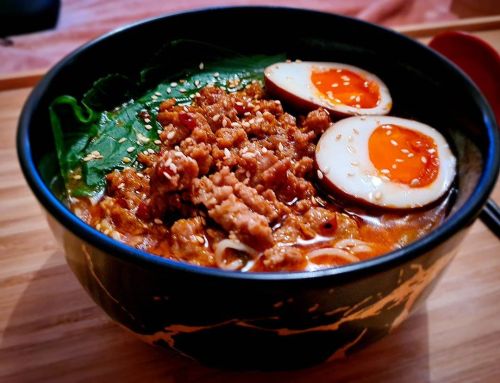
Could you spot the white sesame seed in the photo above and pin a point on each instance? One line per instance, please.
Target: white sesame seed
(410, 155)
(167, 176)
(216, 74)
(246, 124)
(182, 90)
(158, 221)
(388, 133)
(154, 97)
(248, 174)
(264, 150)
(227, 153)
(394, 166)
(201, 66)
(130, 149)
(320, 175)
(235, 125)
(169, 90)
(378, 195)
(345, 78)
(394, 143)
(414, 182)
(216, 118)
(385, 171)
(248, 155)
(77, 177)
(142, 139)
(405, 151)
(197, 83)
(126, 160)
(423, 159)
(385, 178)
(145, 152)
(157, 142)
(148, 127)
(122, 140)
(159, 131)
(280, 147)
(399, 160)
(431, 151)
(335, 85)
(173, 84)
(224, 122)
(158, 93)
(121, 185)
(346, 83)
(140, 175)
(358, 99)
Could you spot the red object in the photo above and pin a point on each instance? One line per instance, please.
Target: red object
(479, 60)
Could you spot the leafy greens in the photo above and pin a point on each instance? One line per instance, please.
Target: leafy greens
(93, 136)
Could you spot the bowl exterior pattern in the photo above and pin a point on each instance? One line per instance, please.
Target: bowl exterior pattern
(289, 324)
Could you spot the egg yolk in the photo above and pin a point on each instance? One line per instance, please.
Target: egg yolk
(342, 86)
(404, 155)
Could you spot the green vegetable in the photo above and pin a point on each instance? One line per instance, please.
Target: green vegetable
(93, 136)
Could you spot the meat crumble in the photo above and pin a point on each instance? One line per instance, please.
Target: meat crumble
(232, 186)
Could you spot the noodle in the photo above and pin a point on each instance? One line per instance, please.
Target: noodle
(334, 252)
(231, 244)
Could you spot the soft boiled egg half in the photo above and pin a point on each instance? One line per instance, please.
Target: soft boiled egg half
(342, 89)
(385, 161)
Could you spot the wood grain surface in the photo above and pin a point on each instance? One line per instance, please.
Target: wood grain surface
(51, 331)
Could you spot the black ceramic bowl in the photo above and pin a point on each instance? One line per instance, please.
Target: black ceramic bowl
(272, 320)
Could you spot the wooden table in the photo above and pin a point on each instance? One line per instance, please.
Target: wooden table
(50, 330)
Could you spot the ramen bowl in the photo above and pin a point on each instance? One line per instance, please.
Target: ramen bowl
(274, 320)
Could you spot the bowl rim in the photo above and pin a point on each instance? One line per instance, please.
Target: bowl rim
(462, 218)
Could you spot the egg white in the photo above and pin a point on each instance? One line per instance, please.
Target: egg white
(343, 158)
(293, 80)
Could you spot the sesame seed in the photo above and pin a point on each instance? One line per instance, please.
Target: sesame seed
(169, 90)
(405, 151)
(248, 155)
(197, 94)
(126, 160)
(216, 118)
(158, 93)
(338, 137)
(423, 159)
(378, 195)
(410, 155)
(227, 153)
(385, 178)
(140, 175)
(122, 140)
(182, 90)
(216, 74)
(167, 176)
(318, 82)
(365, 84)
(158, 221)
(388, 133)
(235, 125)
(346, 83)
(159, 131)
(173, 84)
(77, 177)
(394, 166)
(239, 103)
(394, 143)
(430, 151)
(385, 171)
(246, 124)
(358, 99)
(200, 239)
(201, 66)
(345, 78)
(191, 96)
(414, 182)
(145, 152)
(320, 175)
(224, 123)
(154, 97)
(142, 139)
(148, 127)
(197, 83)
(130, 149)
(335, 85)
(280, 147)
(248, 174)
(399, 160)
(264, 150)
(121, 185)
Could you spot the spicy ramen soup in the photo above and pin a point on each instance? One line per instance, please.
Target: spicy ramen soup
(235, 185)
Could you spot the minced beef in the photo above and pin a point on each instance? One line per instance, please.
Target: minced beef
(234, 174)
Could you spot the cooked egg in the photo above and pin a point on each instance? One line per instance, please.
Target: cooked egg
(385, 161)
(342, 89)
